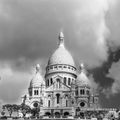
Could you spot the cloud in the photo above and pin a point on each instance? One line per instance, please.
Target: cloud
(114, 73)
(93, 84)
(92, 31)
(12, 84)
(29, 34)
(26, 29)
(113, 23)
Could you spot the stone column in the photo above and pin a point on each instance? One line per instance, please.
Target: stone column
(61, 112)
(52, 111)
(32, 92)
(60, 100)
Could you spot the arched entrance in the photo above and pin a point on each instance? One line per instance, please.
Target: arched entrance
(47, 113)
(66, 114)
(57, 114)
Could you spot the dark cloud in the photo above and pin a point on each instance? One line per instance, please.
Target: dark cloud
(107, 79)
(29, 29)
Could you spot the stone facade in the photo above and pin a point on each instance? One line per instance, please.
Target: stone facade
(63, 88)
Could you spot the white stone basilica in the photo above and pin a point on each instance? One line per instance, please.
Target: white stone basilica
(64, 88)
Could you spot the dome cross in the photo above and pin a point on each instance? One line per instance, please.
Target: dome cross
(37, 68)
(61, 38)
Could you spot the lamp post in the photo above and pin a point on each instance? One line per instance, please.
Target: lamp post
(41, 101)
(77, 111)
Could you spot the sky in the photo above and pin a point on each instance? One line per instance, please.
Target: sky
(29, 35)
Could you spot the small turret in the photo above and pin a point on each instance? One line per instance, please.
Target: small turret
(82, 79)
(37, 79)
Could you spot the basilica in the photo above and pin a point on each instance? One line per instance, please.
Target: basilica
(63, 88)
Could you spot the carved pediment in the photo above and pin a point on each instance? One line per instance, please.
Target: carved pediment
(58, 85)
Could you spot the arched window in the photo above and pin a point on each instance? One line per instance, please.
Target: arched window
(58, 83)
(65, 80)
(51, 81)
(48, 82)
(66, 103)
(60, 66)
(34, 92)
(82, 91)
(37, 92)
(65, 67)
(69, 81)
(58, 98)
(48, 103)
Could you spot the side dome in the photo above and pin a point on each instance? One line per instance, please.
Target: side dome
(82, 79)
(61, 54)
(37, 79)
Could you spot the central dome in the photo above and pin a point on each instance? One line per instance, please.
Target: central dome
(61, 54)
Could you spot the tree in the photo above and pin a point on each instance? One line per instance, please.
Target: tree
(16, 108)
(25, 109)
(3, 113)
(9, 108)
(35, 111)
